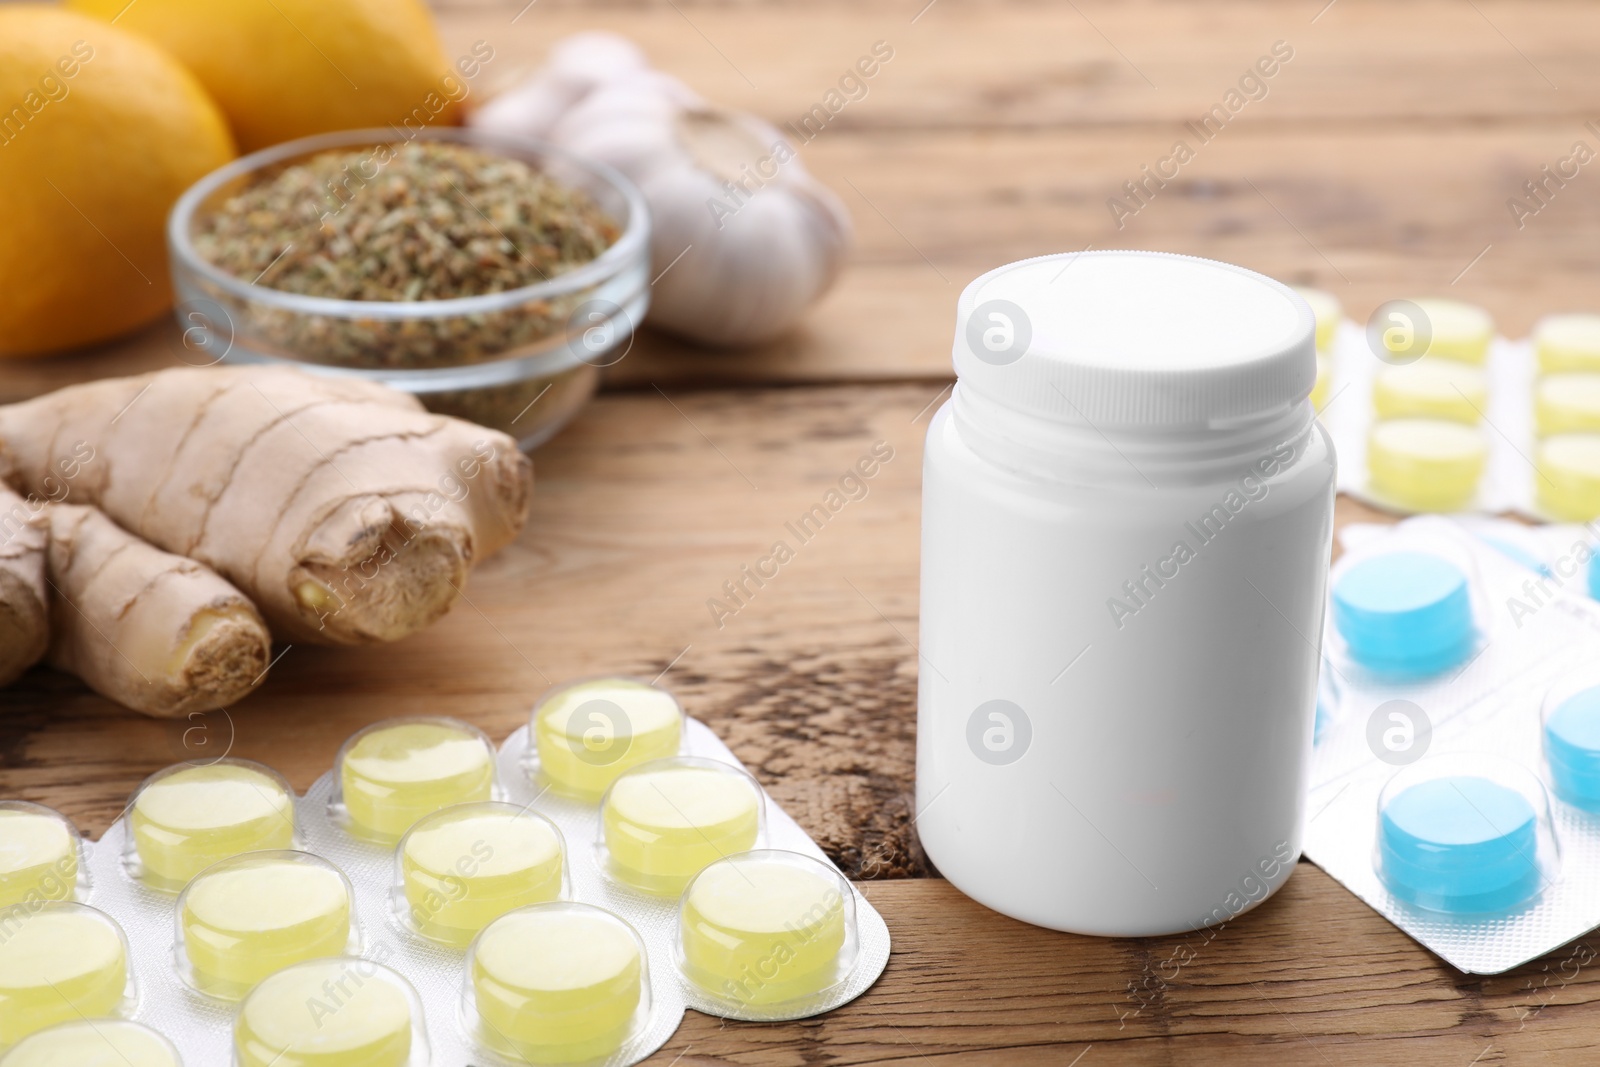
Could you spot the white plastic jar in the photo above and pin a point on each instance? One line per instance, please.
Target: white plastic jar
(1127, 521)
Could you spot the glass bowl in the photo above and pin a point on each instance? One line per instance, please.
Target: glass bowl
(522, 361)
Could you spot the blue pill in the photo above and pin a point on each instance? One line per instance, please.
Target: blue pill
(1572, 748)
(1594, 576)
(1405, 613)
(1460, 843)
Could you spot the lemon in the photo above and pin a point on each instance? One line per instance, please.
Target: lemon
(283, 69)
(100, 131)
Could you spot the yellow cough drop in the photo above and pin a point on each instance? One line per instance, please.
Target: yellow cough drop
(588, 734)
(394, 774)
(188, 819)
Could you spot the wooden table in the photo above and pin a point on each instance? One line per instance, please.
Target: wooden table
(1379, 164)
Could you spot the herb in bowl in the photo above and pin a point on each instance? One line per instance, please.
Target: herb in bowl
(429, 220)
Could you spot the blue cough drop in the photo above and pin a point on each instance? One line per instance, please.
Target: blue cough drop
(1406, 614)
(1460, 843)
(1572, 748)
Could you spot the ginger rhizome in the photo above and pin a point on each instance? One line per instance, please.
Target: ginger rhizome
(24, 596)
(153, 631)
(345, 511)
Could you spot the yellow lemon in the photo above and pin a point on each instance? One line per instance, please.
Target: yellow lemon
(283, 69)
(100, 131)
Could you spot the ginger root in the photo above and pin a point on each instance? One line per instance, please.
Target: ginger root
(343, 509)
(155, 632)
(24, 598)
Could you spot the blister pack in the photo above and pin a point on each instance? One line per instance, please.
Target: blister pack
(431, 902)
(1430, 411)
(1563, 554)
(1456, 775)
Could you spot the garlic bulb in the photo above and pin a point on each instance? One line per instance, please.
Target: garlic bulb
(743, 238)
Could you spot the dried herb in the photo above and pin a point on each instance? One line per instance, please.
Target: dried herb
(437, 221)
(411, 222)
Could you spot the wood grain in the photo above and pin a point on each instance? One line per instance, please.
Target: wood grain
(642, 511)
(1309, 208)
(1378, 164)
(1310, 977)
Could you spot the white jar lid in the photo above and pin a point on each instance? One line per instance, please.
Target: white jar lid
(1135, 339)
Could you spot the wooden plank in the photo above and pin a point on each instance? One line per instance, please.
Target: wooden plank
(1378, 165)
(642, 511)
(1382, 168)
(978, 65)
(1312, 976)
(1307, 208)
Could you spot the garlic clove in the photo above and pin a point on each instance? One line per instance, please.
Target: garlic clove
(748, 279)
(777, 237)
(576, 66)
(626, 124)
(596, 56)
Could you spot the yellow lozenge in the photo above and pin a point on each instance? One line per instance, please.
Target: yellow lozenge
(98, 1043)
(464, 867)
(345, 1012)
(256, 914)
(557, 983)
(1567, 403)
(1565, 343)
(764, 928)
(58, 962)
(38, 854)
(1325, 308)
(1431, 389)
(666, 821)
(587, 734)
(394, 773)
(187, 818)
(1452, 330)
(1426, 464)
(1567, 480)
